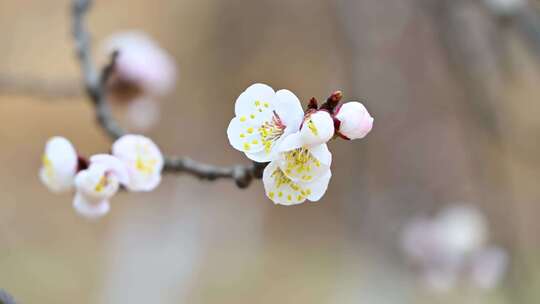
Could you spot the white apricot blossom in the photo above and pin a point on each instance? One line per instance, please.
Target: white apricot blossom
(143, 160)
(263, 119)
(354, 120)
(59, 165)
(142, 62)
(97, 184)
(283, 190)
(317, 128)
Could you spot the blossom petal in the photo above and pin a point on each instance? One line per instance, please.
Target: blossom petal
(244, 135)
(88, 209)
(279, 188)
(322, 154)
(143, 183)
(115, 165)
(59, 164)
(255, 101)
(283, 191)
(289, 109)
(290, 142)
(319, 186)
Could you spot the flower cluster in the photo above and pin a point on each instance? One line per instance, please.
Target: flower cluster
(142, 74)
(135, 163)
(452, 248)
(272, 127)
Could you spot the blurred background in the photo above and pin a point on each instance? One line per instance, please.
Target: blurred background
(452, 85)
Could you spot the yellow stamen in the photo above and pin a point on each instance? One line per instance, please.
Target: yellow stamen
(145, 166)
(47, 164)
(312, 127)
(103, 182)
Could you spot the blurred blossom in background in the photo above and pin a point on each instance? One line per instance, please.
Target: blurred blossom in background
(143, 73)
(451, 248)
(453, 85)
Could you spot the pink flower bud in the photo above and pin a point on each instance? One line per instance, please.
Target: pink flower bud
(142, 63)
(355, 121)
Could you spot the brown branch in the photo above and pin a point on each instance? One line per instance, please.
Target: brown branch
(96, 90)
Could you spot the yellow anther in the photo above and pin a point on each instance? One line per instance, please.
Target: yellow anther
(308, 191)
(289, 197)
(255, 142)
(243, 118)
(145, 166)
(47, 164)
(271, 194)
(252, 116)
(266, 104)
(280, 194)
(247, 146)
(250, 130)
(103, 181)
(312, 127)
(242, 135)
(257, 103)
(299, 198)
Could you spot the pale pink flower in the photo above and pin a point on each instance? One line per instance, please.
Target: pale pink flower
(143, 160)
(142, 62)
(264, 118)
(354, 120)
(97, 184)
(59, 165)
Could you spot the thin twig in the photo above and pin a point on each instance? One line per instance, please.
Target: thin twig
(96, 90)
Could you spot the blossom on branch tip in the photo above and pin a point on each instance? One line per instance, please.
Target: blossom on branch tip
(59, 165)
(143, 160)
(355, 122)
(263, 119)
(142, 63)
(97, 184)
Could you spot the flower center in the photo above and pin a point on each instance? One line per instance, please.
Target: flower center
(301, 162)
(271, 131)
(280, 179)
(145, 166)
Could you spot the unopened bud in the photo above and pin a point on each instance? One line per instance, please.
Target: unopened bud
(313, 104)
